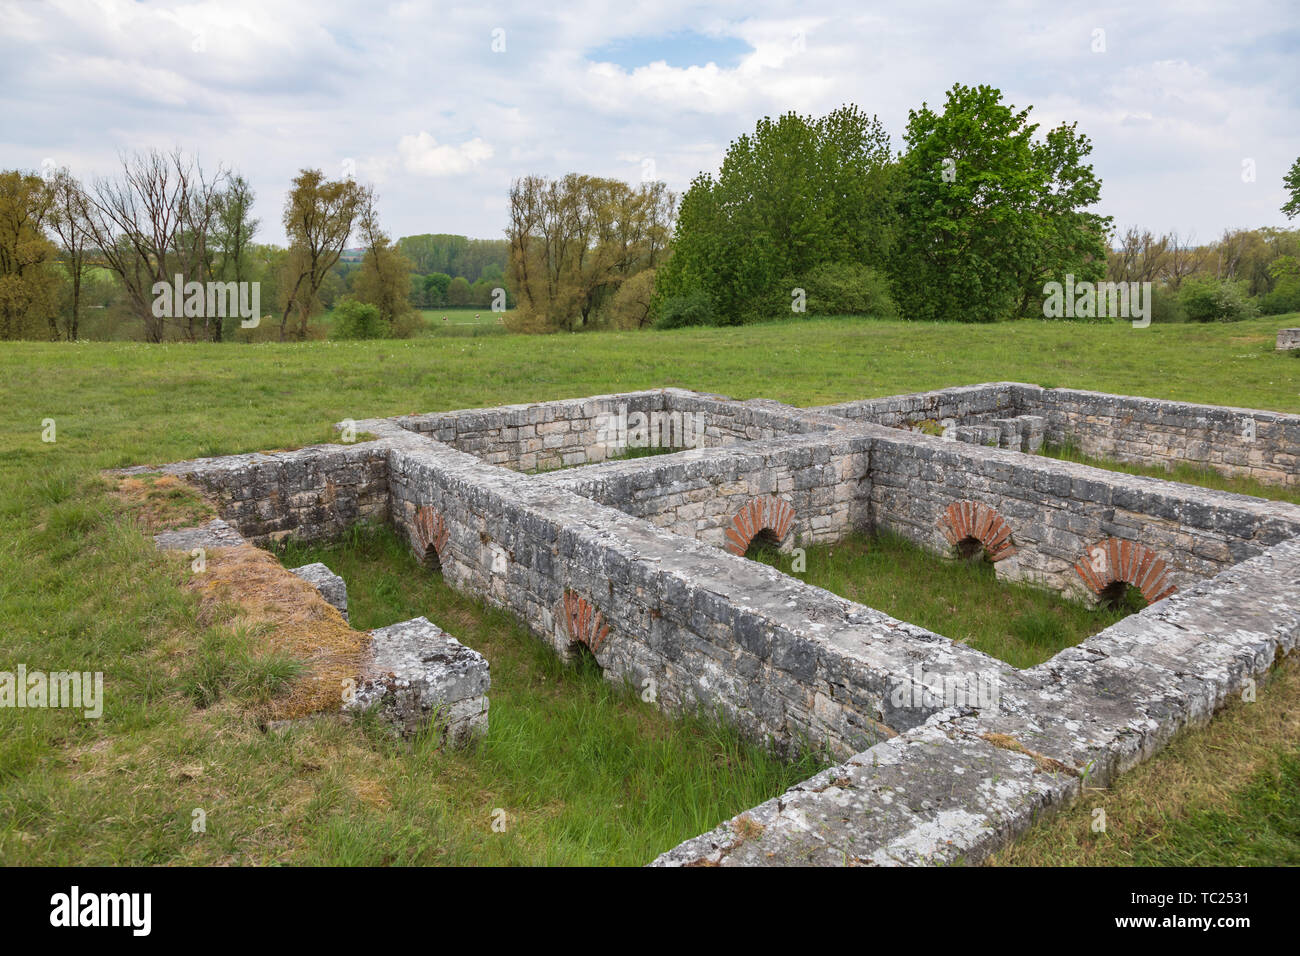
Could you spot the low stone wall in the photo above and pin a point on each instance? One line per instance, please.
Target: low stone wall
(313, 493)
(1232, 441)
(1058, 512)
(628, 560)
(967, 781)
(545, 436)
(784, 661)
(966, 405)
(820, 481)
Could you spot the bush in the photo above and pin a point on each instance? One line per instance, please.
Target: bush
(1208, 300)
(633, 304)
(1284, 298)
(848, 288)
(679, 311)
(1165, 306)
(357, 320)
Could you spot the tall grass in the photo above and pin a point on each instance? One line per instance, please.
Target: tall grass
(960, 599)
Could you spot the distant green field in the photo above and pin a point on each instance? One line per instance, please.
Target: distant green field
(81, 587)
(463, 316)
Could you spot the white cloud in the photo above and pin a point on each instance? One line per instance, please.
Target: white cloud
(414, 93)
(421, 154)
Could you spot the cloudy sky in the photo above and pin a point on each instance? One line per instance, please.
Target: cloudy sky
(442, 104)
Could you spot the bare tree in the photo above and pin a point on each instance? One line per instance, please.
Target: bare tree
(153, 225)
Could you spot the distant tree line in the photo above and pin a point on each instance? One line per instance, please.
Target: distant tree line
(966, 223)
(86, 258)
(807, 215)
(455, 271)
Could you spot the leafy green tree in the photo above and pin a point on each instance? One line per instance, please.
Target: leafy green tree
(319, 215)
(233, 227)
(435, 289)
(1205, 299)
(358, 320)
(987, 214)
(1292, 183)
(799, 193)
(575, 240)
(458, 292)
(28, 282)
(384, 277)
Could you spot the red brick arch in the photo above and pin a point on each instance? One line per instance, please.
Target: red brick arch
(1114, 560)
(583, 622)
(974, 520)
(430, 532)
(768, 513)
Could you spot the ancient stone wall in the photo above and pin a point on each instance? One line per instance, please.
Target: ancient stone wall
(313, 493)
(545, 436)
(1058, 512)
(784, 661)
(1233, 441)
(821, 481)
(635, 562)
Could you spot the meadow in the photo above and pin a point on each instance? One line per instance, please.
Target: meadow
(583, 770)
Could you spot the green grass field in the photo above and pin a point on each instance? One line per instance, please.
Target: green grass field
(962, 600)
(81, 588)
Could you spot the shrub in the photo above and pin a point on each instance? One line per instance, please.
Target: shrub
(1208, 300)
(1165, 305)
(679, 311)
(357, 320)
(848, 288)
(1285, 297)
(633, 304)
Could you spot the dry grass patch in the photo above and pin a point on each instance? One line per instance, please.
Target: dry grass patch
(290, 617)
(160, 502)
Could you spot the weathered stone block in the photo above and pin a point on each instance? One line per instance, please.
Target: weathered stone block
(415, 673)
(331, 587)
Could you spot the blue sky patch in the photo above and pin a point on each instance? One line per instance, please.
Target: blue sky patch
(681, 50)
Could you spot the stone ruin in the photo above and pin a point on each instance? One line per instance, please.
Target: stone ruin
(946, 753)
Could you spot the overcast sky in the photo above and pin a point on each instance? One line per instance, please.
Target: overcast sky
(441, 105)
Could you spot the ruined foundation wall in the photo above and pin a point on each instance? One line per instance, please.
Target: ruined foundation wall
(966, 405)
(1057, 510)
(784, 661)
(314, 493)
(546, 436)
(1232, 441)
(964, 784)
(699, 494)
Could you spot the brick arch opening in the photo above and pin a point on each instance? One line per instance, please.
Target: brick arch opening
(975, 530)
(768, 514)
(584, 625)
(765, 541)
(431, 536)
(1110, 566)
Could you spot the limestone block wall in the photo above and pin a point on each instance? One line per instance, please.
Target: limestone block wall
(549, 435)
(1058, 512)
(313, 493)
(1233, 441)
(818, 482)
(968, 781)
(965, 405)
(784, 661)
